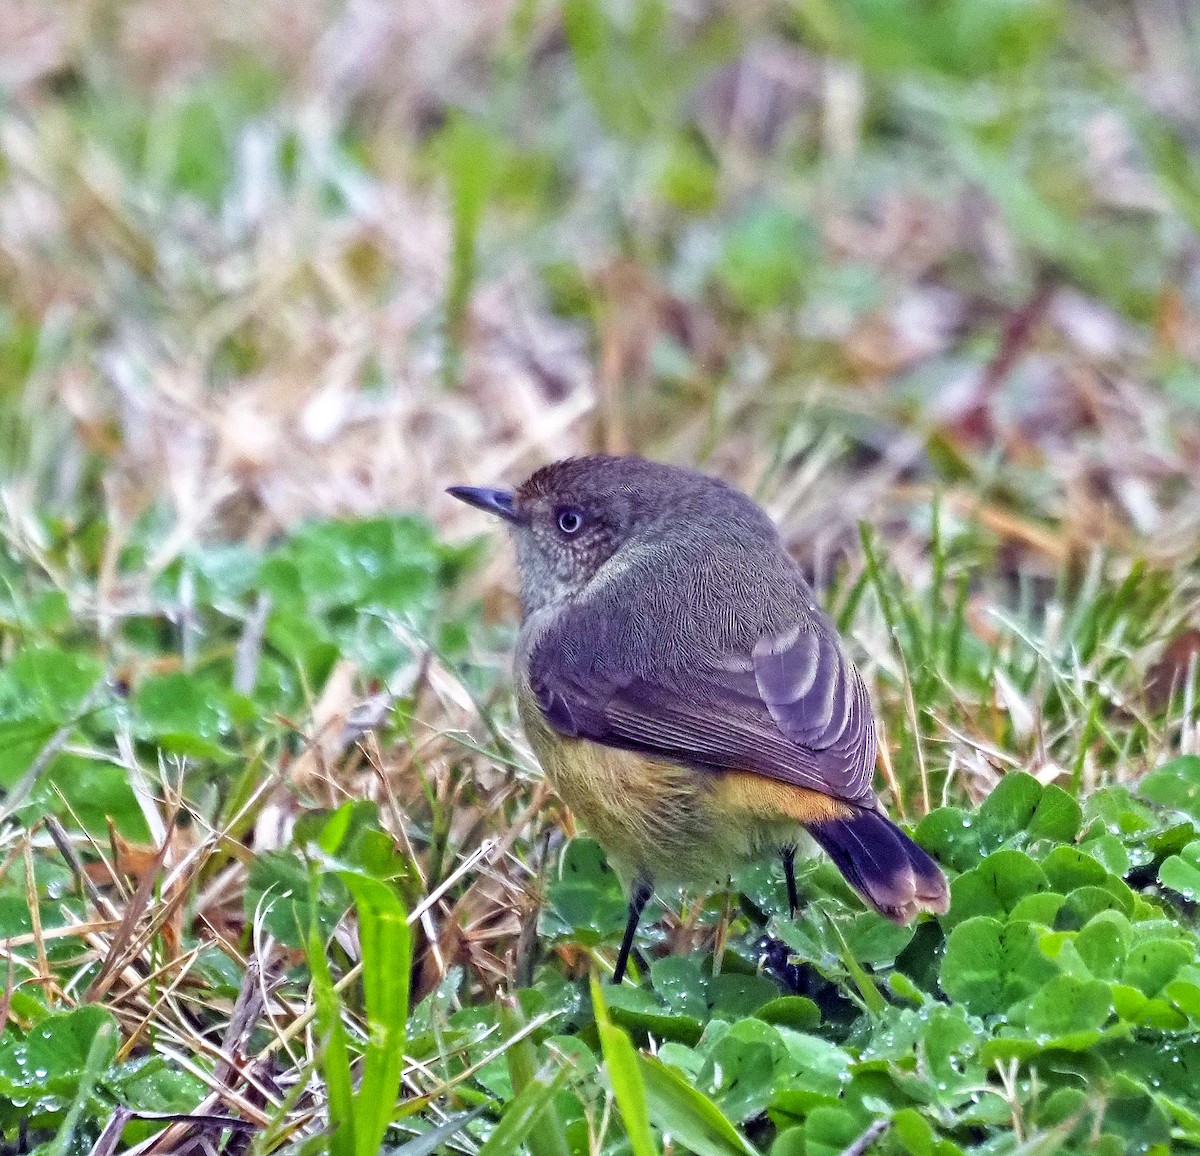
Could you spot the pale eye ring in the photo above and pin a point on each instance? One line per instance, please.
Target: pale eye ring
(569, 521)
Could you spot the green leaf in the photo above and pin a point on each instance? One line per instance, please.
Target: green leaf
(1057, 816)
(913, 1132)
(995, 886)
(1103, 944)
(1169, 840)
(1069, 1004)
(48, 681)
(903, 988)
(187, 148)
(734, 996)
(185, 713)
(989, 965)
(951, 1039)
(21, 741)
(864, 982)
(824, 1067)
(372, 563)
(1184, 991)
(1010, 808)
(1136, 1008)
(1175, 784)
(97, 793)
(971, 40)
(53, 1058)
(1086, 902)
(99, 1057)
(873, 939)
(1117, 810)
(828, 1131)
(792, 1011)
(1151, 965)
(630, 65)
(638, 1010)
(153, 1085)
(789, 1143)
(335, 586)
(1174, 164)
(436, 1139)
(1067, 868)
(587, 895)
(1182, 872)
(471, 161)
(1109, 851)
(681, 984)
(1047, 227)
(1042, 907)
(279, 883)
(951, 836)
(743, 1067)
(687, 177)
(332, 829)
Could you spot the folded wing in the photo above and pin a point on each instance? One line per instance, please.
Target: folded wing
(790, 707)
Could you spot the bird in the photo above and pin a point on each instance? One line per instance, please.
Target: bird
(684, 693)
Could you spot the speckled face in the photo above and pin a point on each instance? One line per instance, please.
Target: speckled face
(562, 539)
(571, 517)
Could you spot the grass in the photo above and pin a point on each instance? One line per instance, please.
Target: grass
(277, 869)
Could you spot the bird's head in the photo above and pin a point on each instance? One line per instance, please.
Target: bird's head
(572, 517)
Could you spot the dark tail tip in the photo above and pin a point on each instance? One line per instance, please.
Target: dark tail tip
(883, 865)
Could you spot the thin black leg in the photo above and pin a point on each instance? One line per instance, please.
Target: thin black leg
(638, 899)
(789, 875)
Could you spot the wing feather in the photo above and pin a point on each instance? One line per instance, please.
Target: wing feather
(792, 708)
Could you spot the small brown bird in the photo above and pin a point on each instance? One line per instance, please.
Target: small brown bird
(686, 696)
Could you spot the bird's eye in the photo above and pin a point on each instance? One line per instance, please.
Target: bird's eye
(569, 520)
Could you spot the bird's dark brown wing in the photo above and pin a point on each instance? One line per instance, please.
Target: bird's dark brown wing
(792, 708)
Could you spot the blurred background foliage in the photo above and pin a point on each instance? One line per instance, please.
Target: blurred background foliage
(297, 259)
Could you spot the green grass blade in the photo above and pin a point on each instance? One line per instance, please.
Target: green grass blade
(688, 1114)
(547, 1137)
(625, 1076)
(468, 154)
(524, 1112)
(100, 1054)
(874, 1001)
(274, 1134)
(386, 943)
(335, 1057)
(435, 1139)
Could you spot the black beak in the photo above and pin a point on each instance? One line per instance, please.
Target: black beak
(498, 502)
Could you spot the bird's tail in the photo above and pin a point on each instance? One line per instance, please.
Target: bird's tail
(883, 865)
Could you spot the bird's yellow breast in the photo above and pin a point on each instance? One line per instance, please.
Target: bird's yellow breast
(667, 821)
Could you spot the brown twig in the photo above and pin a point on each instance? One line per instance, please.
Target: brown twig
(119, 957)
